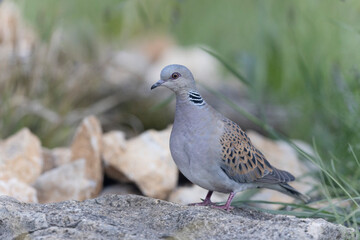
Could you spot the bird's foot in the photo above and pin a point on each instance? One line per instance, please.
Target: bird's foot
(222, 207)
(205, 202)
(226, 206)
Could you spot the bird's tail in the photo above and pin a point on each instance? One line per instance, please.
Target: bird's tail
(290, 191)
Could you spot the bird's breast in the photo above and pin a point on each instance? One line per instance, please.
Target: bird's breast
(194, 143)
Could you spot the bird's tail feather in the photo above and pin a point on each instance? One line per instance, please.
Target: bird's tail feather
(290, 191)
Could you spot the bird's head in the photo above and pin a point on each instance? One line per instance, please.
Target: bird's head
(176, 78)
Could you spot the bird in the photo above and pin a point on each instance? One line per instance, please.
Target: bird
(212, 151)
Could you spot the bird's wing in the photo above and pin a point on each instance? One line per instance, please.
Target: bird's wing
(242, 162)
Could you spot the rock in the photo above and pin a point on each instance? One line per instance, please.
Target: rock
(67, 182)
(136, 217)
(55, 157)
(193, 194)
(146, 160)
(87, 144)
(19, 190)
(114, 145)
(283, 156)
(20, 157)
(16, 39)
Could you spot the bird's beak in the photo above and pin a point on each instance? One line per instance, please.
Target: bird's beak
(158, 83)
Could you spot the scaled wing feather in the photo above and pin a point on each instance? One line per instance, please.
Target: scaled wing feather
(242, 162)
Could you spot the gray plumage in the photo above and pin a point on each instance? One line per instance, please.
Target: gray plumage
(211, 150)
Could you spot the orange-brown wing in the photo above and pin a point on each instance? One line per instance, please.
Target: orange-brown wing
(242, 162)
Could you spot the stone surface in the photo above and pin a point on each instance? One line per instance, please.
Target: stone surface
(56, 157)
(67, 182)
(19, 190)
(20, 157)
(114, 145)
(136, 217)
(87, 144)
(281, 155)
(145, 160)
(16, 39)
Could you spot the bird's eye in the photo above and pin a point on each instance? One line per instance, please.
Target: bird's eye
(175, 75)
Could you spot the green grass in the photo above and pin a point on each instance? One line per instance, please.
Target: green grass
(115, 21)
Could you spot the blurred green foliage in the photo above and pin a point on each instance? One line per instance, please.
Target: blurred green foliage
(299, 54)
(111, 20)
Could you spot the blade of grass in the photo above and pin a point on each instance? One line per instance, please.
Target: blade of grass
(277, 203)
(311, 213)
(228, 66)
(352, 214)
(322, 168)
(353, 153)
(296, 214)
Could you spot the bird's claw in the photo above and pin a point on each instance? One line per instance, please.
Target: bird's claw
(222, 207)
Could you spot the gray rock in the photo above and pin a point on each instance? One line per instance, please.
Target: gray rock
(136, 217)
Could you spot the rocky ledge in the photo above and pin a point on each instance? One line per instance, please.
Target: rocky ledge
(137, 217)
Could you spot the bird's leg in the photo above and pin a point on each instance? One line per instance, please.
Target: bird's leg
(206, 202)
(227, 204)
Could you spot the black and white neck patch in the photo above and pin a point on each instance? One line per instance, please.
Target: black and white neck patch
(196, 99)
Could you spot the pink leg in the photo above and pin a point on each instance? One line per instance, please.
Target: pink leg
(206, 202)
(227, 204)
